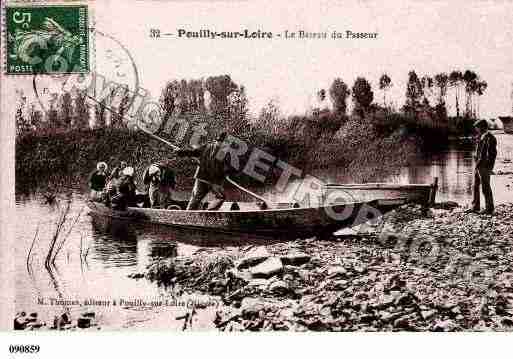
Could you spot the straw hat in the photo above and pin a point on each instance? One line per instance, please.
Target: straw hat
(128, 171)
(101, 164)
(153, 170)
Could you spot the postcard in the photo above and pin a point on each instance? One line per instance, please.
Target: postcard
(240, 166)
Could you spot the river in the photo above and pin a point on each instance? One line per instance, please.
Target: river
(96, 260)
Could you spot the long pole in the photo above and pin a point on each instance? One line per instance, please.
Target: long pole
(245, 190)
(174, 147)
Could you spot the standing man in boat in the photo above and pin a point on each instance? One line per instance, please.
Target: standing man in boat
(210, 173)
(486, 154)
(161, 181)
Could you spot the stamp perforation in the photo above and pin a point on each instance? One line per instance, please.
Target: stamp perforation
(83, 67)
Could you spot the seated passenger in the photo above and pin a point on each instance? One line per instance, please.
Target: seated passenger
(160, 180)
(127, 186)
(125, 195)
(119, 202)
(97, 182)
(114, 177)
(118, 170)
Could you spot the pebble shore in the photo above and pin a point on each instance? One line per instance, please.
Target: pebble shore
(414, 270)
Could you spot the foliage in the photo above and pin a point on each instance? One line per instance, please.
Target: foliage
(362, 94)
(238, 111)
(414, 92)
(441, 81)
(271, 118)
(168, 102)
(385, 82)
(220, 87)
(339, 92)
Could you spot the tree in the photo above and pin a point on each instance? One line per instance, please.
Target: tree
(455, 80)
(414, 91)
(270, 118)
(470, 79)
(238, 108)
(200, 95)
(168, 102)
(52, 115)
(338, 94)
(183, 97)
(122, 103)
(362, 95)
(427, 84)
(479, 90)
(321, 95)
(66, 110)
(441, 81)
(385, 82)
(36, 117)
(220, 87)
(21, 115)
(81, 114)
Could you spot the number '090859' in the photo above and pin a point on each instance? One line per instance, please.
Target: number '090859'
(24, 349)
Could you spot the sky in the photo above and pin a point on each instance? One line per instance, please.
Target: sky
(425, 36)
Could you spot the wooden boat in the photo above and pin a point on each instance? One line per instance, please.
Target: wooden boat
(277, 220)
(423, 194)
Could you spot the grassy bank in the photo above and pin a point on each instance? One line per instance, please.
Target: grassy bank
(360, 148)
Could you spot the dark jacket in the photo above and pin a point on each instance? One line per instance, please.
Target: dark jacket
(97, 181)
(211, 169)
(119, 202)
(167, 176)
(128, 189)
(486, 152)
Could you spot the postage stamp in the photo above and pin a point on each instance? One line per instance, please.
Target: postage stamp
(47, 39)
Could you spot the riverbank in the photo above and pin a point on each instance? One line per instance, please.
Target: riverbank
(444, 271)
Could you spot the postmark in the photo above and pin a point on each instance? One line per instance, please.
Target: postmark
(113, 87)
(47, 39)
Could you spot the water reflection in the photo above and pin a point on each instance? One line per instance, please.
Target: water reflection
(113, 245)
(453, 167)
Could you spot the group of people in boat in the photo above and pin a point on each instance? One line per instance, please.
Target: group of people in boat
(118, 189)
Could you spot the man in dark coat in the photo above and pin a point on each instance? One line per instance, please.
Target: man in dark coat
(210, 173)
(486, 154)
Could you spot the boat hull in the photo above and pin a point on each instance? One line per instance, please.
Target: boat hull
(269, 222)
(423, 194)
